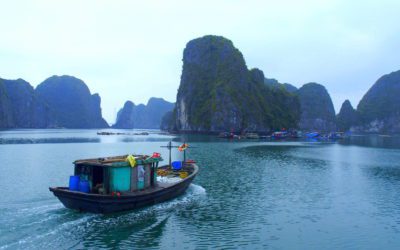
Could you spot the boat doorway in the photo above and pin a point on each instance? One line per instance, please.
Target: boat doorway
(98, 176)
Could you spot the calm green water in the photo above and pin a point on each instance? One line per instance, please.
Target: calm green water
(248, 195)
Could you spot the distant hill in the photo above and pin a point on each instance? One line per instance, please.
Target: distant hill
(143, 116)
(379, 109)
(60, 101)
(317, 111)
(20, 106)
(25, 106)
(6, 117)
(73, 104)
(347, 117)
(217, 92)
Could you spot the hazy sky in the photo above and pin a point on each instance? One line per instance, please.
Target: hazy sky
(132, 50)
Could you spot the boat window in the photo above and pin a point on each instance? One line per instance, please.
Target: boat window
(98, 179)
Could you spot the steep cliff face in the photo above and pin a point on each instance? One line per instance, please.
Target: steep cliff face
(72, 103)
(347, 117)
(95, 112)
(218, 93)
(317, 111)
(213, 72)
(27, 109)
(143, 116)
(6, 119)
(379, 109)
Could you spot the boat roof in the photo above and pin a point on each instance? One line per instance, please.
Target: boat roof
(118, 161)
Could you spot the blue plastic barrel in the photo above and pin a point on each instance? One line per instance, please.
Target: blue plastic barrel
(176, 165)
(84, 186)
(74, 183)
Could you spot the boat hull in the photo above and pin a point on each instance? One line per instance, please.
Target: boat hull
(96, 203)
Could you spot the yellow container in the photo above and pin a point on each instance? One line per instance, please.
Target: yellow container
(183, 175)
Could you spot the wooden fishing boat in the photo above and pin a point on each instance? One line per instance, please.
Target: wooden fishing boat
(123, 183)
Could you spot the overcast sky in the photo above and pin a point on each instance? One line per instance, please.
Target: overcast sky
(132, 50)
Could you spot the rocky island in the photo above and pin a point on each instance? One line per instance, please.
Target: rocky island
(218, 92)
(317, 111)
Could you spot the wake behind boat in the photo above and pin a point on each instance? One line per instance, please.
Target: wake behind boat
(113, 184)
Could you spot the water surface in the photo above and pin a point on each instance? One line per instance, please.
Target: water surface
(248, 194)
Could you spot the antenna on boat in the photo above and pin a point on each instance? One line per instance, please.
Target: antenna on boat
(183, 148)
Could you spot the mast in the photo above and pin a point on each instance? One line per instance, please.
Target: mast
(170, 146)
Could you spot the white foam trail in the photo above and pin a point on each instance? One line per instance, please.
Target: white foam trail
(192, 193)
(40, 209)
(197, 189)
(34, 238)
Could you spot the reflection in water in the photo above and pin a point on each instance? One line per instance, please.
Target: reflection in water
(265, 150)
(47, 140)
(377, 141)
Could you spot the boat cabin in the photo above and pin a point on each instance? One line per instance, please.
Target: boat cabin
(118, 174)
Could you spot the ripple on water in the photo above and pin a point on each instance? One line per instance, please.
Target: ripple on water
(259, 195)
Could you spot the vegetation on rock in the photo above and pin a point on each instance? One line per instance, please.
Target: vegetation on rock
(275, 84)
(218, 93)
